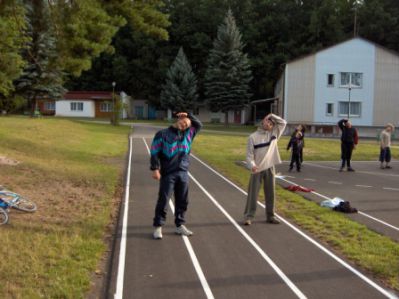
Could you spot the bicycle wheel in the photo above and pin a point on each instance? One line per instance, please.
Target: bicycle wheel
(24, 204)
(3, 216)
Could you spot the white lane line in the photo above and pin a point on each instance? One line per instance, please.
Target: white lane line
(378, 220)
(359, 212)
(193, 256)
(310, 180)
(321, 247)
(334, 182)
(364, 186)
(292, 286)
(122, 251)
(358, 171)
(195, 261)
(392, 189)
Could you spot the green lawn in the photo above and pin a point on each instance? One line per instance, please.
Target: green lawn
(72, 170)
(369, 250)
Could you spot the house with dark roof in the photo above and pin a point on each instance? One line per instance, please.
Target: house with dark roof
(96, 104)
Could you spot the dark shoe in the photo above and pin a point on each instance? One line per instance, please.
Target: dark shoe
(388, 167)
(341, 169)
(382, 167)
(272, 220)
(350, 169)
(290, 169)
(299, 170)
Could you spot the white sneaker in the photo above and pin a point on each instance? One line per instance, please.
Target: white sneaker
(182, 230)
(158, 233)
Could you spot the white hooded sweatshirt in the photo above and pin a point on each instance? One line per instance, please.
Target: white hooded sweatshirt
(262, 149)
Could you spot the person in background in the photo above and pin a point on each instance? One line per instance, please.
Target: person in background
(385, 145)
(296, 144)
(302, 129)
(349, 140)
(170, 159)
(262, 156)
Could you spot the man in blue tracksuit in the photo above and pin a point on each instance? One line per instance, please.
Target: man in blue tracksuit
(170, 159)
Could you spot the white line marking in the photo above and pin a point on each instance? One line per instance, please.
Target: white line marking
(358, 171)
(321, 247)
(194, 259)
(359, 212)
(289, 176)
(334, 183)
(122, 251)
(378, 220)
(311, 180)
(364, 186)
(292, 286)
(392, 189)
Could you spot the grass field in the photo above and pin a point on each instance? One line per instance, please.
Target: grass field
(72, 171)
(374, 253)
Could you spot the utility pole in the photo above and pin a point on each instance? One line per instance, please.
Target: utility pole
(355, 21)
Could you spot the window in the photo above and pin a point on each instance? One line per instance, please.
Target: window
(50, 106)
(355, 109)
(330, 80)
(76, 106)
(330, 109)
(353, 80)
(106, 107)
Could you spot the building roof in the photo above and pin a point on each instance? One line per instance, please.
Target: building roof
(88, 95)
(338, 44)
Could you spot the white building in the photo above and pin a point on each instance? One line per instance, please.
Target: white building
(316, 89)
(85, 104)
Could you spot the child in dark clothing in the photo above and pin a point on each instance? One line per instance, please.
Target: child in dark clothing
(296, 145)
(300, 128)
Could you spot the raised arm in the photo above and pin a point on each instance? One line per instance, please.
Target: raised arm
(279, 124)
(195, 122)
(341, 124)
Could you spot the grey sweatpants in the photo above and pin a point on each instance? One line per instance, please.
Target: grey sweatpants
(267, 176)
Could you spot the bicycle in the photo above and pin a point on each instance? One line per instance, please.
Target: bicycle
(16, 201)
(3, 212)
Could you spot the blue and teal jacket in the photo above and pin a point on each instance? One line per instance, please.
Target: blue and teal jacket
(170, 148)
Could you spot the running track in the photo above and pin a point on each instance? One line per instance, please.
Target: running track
(223, 259)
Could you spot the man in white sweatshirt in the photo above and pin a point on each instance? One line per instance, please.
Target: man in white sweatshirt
(385, 145)
(262, 156)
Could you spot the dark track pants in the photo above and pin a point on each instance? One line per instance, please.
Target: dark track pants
(176, 182)
(346, 153)
(295, 159)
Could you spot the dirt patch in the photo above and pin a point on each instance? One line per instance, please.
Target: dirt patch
(7, 161)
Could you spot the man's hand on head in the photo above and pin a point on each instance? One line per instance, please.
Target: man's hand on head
(182, 114)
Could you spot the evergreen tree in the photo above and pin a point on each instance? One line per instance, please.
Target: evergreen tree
(41, 76)
(12, 25)
(179, 93)
(228, 73)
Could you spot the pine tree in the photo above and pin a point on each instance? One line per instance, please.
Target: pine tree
(41, 76)
(12, 25)
(179, 93)
(228, 72)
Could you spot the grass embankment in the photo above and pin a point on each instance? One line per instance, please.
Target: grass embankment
(72, 171)
(369, 250)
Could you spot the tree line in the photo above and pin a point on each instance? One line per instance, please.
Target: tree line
(135, 42)
(273, 32)
(46, 43)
